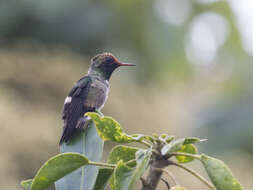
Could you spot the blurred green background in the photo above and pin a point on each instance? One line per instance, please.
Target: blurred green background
(193, 75)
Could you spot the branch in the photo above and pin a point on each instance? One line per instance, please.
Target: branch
(145, 143)
(154, 174)
(153, 178)
(171, 176)
(144, 183)
(156, 153)
(102, 164)
(166, 183)
(196, 175)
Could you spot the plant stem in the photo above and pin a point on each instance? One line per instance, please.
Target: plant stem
(196, 156)
(153, 177)
(166, 183)
(155, 152)
(154, 174)
(196, 175)
(145, 143)
(130, 161)
(171, 176)
(102, 164)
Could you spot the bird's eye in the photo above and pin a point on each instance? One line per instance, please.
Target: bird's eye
(109, 60)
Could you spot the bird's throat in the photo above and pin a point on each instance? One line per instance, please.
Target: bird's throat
(102, 75)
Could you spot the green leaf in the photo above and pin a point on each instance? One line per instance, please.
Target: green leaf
(149, 138)
(87, 143)
(57, 167)
(137, 137)
(193, 140)
(103, 177)
(166, 138)
(188, 148)
(176, 145)
(124, 153)
(109, 129)
(125, 177)
(122, 177)
(27, 184)
(220, 174)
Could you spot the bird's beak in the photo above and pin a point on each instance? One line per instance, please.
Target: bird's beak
(125, 64)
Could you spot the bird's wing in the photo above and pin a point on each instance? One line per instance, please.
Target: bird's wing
(74, 108)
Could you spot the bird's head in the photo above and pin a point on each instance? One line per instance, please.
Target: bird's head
(104, 64)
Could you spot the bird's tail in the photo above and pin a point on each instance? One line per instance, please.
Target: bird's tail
(66, 134)
(69, 129)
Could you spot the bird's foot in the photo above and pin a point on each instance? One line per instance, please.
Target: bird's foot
(83, 122)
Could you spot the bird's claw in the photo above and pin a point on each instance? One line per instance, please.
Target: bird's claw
(83, 122)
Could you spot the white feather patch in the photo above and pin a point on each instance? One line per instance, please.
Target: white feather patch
(67, 100)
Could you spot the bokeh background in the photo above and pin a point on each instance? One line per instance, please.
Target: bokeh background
(194, 76)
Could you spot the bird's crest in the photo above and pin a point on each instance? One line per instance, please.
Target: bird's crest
(103, 57)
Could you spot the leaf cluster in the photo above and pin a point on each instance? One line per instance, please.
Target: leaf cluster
(126, 165)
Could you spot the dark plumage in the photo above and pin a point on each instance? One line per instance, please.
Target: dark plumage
(88, 94)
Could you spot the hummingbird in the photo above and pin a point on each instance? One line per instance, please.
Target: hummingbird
(89, 94)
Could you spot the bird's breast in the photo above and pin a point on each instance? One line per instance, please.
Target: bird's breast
(97, 94)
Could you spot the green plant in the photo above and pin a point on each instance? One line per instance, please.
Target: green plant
(127, 164)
